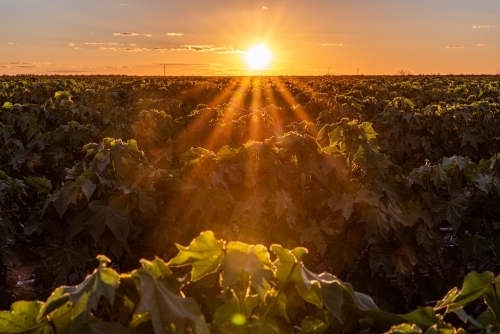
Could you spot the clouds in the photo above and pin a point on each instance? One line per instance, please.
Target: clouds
(102, 43)
(182, 64)
(25, 64)
(72, 45)
(453, 46)
(264, 7)
(481, 44)
(130, 34)
(174, 34)
(484, 27)
(224, 49)
(331, 44)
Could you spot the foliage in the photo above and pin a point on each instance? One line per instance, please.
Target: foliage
(391, 183)
(258, 296)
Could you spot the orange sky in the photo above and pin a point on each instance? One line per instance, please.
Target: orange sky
(195, 37)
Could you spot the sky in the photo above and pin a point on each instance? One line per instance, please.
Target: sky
(210, 37)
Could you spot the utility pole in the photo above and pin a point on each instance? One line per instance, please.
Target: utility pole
(163, 68)
(328, 71)
(357, 72)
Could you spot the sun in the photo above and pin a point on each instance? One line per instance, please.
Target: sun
(258, 57)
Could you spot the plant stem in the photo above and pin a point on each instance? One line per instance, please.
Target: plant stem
(280, 291)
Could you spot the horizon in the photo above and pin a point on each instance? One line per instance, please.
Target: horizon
(196, 38)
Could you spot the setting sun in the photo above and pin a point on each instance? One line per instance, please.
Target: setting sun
(258, 57)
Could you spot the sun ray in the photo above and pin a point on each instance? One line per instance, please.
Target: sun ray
(299, 111)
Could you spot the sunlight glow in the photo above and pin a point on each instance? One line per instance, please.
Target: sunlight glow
(258, 57)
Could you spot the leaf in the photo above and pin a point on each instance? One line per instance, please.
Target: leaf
(483, 181)
(192, 155)
(102, 160)
(406, 329)
(41, 184)
(440, 178)
(112, 215)
(477, 246)
(226, 152)
(224, 317)
(169, 311)
(289, 267)
(474, 286)
(336, 162)
(114, 245)
(6, 131)
(316, 324)
(65, 258)
(351, 300)
(252, 259)
(8, 257)
(207, 201)
(346, 248)
(8, 105)
(376, 221)
(253, 208)
(62, 199)
(84, 297)
(284, 202)
(147, 204)
(313, 233)
(105, 327)
(344, 203)
(453, 209)
(88, 187)
(205, 253)
(22, 318)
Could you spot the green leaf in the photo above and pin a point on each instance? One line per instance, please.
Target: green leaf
(249, 211)
(86, 296)
(423, 317)
(284, 202)
(65, 258)
(474, 286)
(62, 198)
(88, 187)
(226, 152)
(169, 311)
(266, 326)
(192, 155)
(113, 215)
(205, 253)
(440, 178)
(405, 329)
(7, 105)
(252, 259)
(225, 315)
(6, 131)
(147, 204)
(22, 318)
(8, 257)
(336, 162)
(452, 209)
(41, 184)
(313, 233)
(344, 203)
(316, 324)
(208, 201)
(289, 268)
(483, 181)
